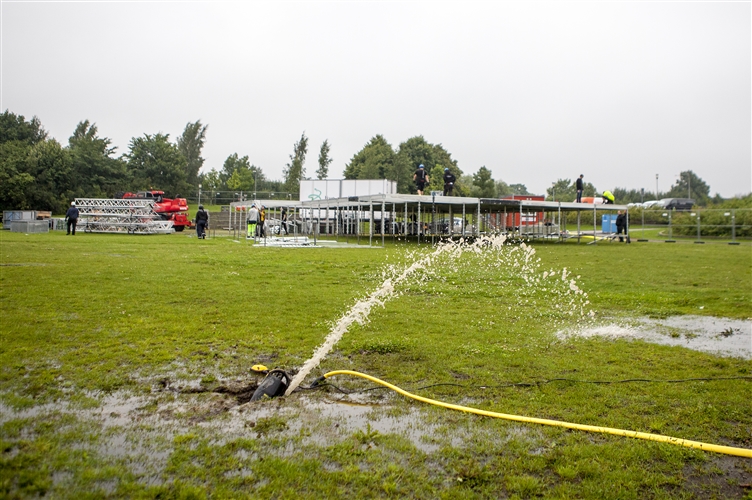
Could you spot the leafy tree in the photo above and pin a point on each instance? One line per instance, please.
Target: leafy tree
(295, 170)
(503, 189)
(35, 173)
(623, 196)
(324, 161)
(190, 145)
(565, 190)
(51, 167)
(519, 189)
(15, 180)
(155, 163)
(483, 184)
(562, 190)
(416, 151)
(242, 176)
(95, 172)
(690, 185)
(210, 182)
(15, 128)
(377, 160)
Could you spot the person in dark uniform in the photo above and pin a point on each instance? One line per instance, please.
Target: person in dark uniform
(621, 226)
(449, 180)
(202, 222)
(71, 218)
(421, 178)
(578, 185)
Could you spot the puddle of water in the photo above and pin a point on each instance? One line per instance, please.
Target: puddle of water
(720, 336)
(330, 420)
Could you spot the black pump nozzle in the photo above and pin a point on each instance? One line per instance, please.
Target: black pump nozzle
(274, 384)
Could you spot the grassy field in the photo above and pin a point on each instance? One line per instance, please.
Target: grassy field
(125, 370)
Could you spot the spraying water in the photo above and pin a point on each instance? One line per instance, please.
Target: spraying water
(359, 313)
(471, 262)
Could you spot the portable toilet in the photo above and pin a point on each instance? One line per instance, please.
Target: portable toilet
(608, 223)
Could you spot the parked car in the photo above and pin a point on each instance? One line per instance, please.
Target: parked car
(678, 203)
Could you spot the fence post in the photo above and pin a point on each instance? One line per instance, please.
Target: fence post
(733, 228)
(670, 240)
(698, 228)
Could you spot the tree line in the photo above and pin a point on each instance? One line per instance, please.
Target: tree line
(37, 172)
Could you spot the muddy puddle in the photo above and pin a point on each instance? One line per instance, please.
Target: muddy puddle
(720, 336)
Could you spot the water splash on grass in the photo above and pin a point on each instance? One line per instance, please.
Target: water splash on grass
(467, 263)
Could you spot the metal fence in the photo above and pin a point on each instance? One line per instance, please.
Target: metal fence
(699, 224)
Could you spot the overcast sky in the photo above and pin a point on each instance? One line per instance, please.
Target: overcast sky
(535, 91)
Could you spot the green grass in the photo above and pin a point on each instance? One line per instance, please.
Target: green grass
(88, 318)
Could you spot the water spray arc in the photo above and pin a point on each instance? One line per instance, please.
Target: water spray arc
(359, 313)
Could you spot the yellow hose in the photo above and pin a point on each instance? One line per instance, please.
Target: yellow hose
(727, 450)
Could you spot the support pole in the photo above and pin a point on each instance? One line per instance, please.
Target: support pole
(419, 224)
(477, 228)
(733, 227)
(464, 215)
(383, 219)
(371, 223)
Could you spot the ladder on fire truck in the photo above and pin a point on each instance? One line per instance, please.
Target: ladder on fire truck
(130, 216)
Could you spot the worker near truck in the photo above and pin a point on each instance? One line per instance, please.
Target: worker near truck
(202, 222)
(71, 218)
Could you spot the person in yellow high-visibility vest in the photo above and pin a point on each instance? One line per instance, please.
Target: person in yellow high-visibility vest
(608, 197)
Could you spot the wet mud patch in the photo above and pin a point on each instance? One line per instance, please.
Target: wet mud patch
(720, 336)
(719, 477)
(240, 392)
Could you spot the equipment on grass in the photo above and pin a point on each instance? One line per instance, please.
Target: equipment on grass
(131, 216)
(274, 384)
(172, 209)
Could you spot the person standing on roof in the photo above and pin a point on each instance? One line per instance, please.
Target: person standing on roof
(252, 221)
(608, 198)
(421, 178)
(202, 222)
(71, 218)
(449, 180)
(578, 185)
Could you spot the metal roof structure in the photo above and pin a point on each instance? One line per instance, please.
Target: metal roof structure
(414, 200)
(431, 216)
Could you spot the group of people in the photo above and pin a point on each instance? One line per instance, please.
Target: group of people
(256, 221)
(420, 177)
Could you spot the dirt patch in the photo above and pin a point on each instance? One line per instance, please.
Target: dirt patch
(719, 477)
